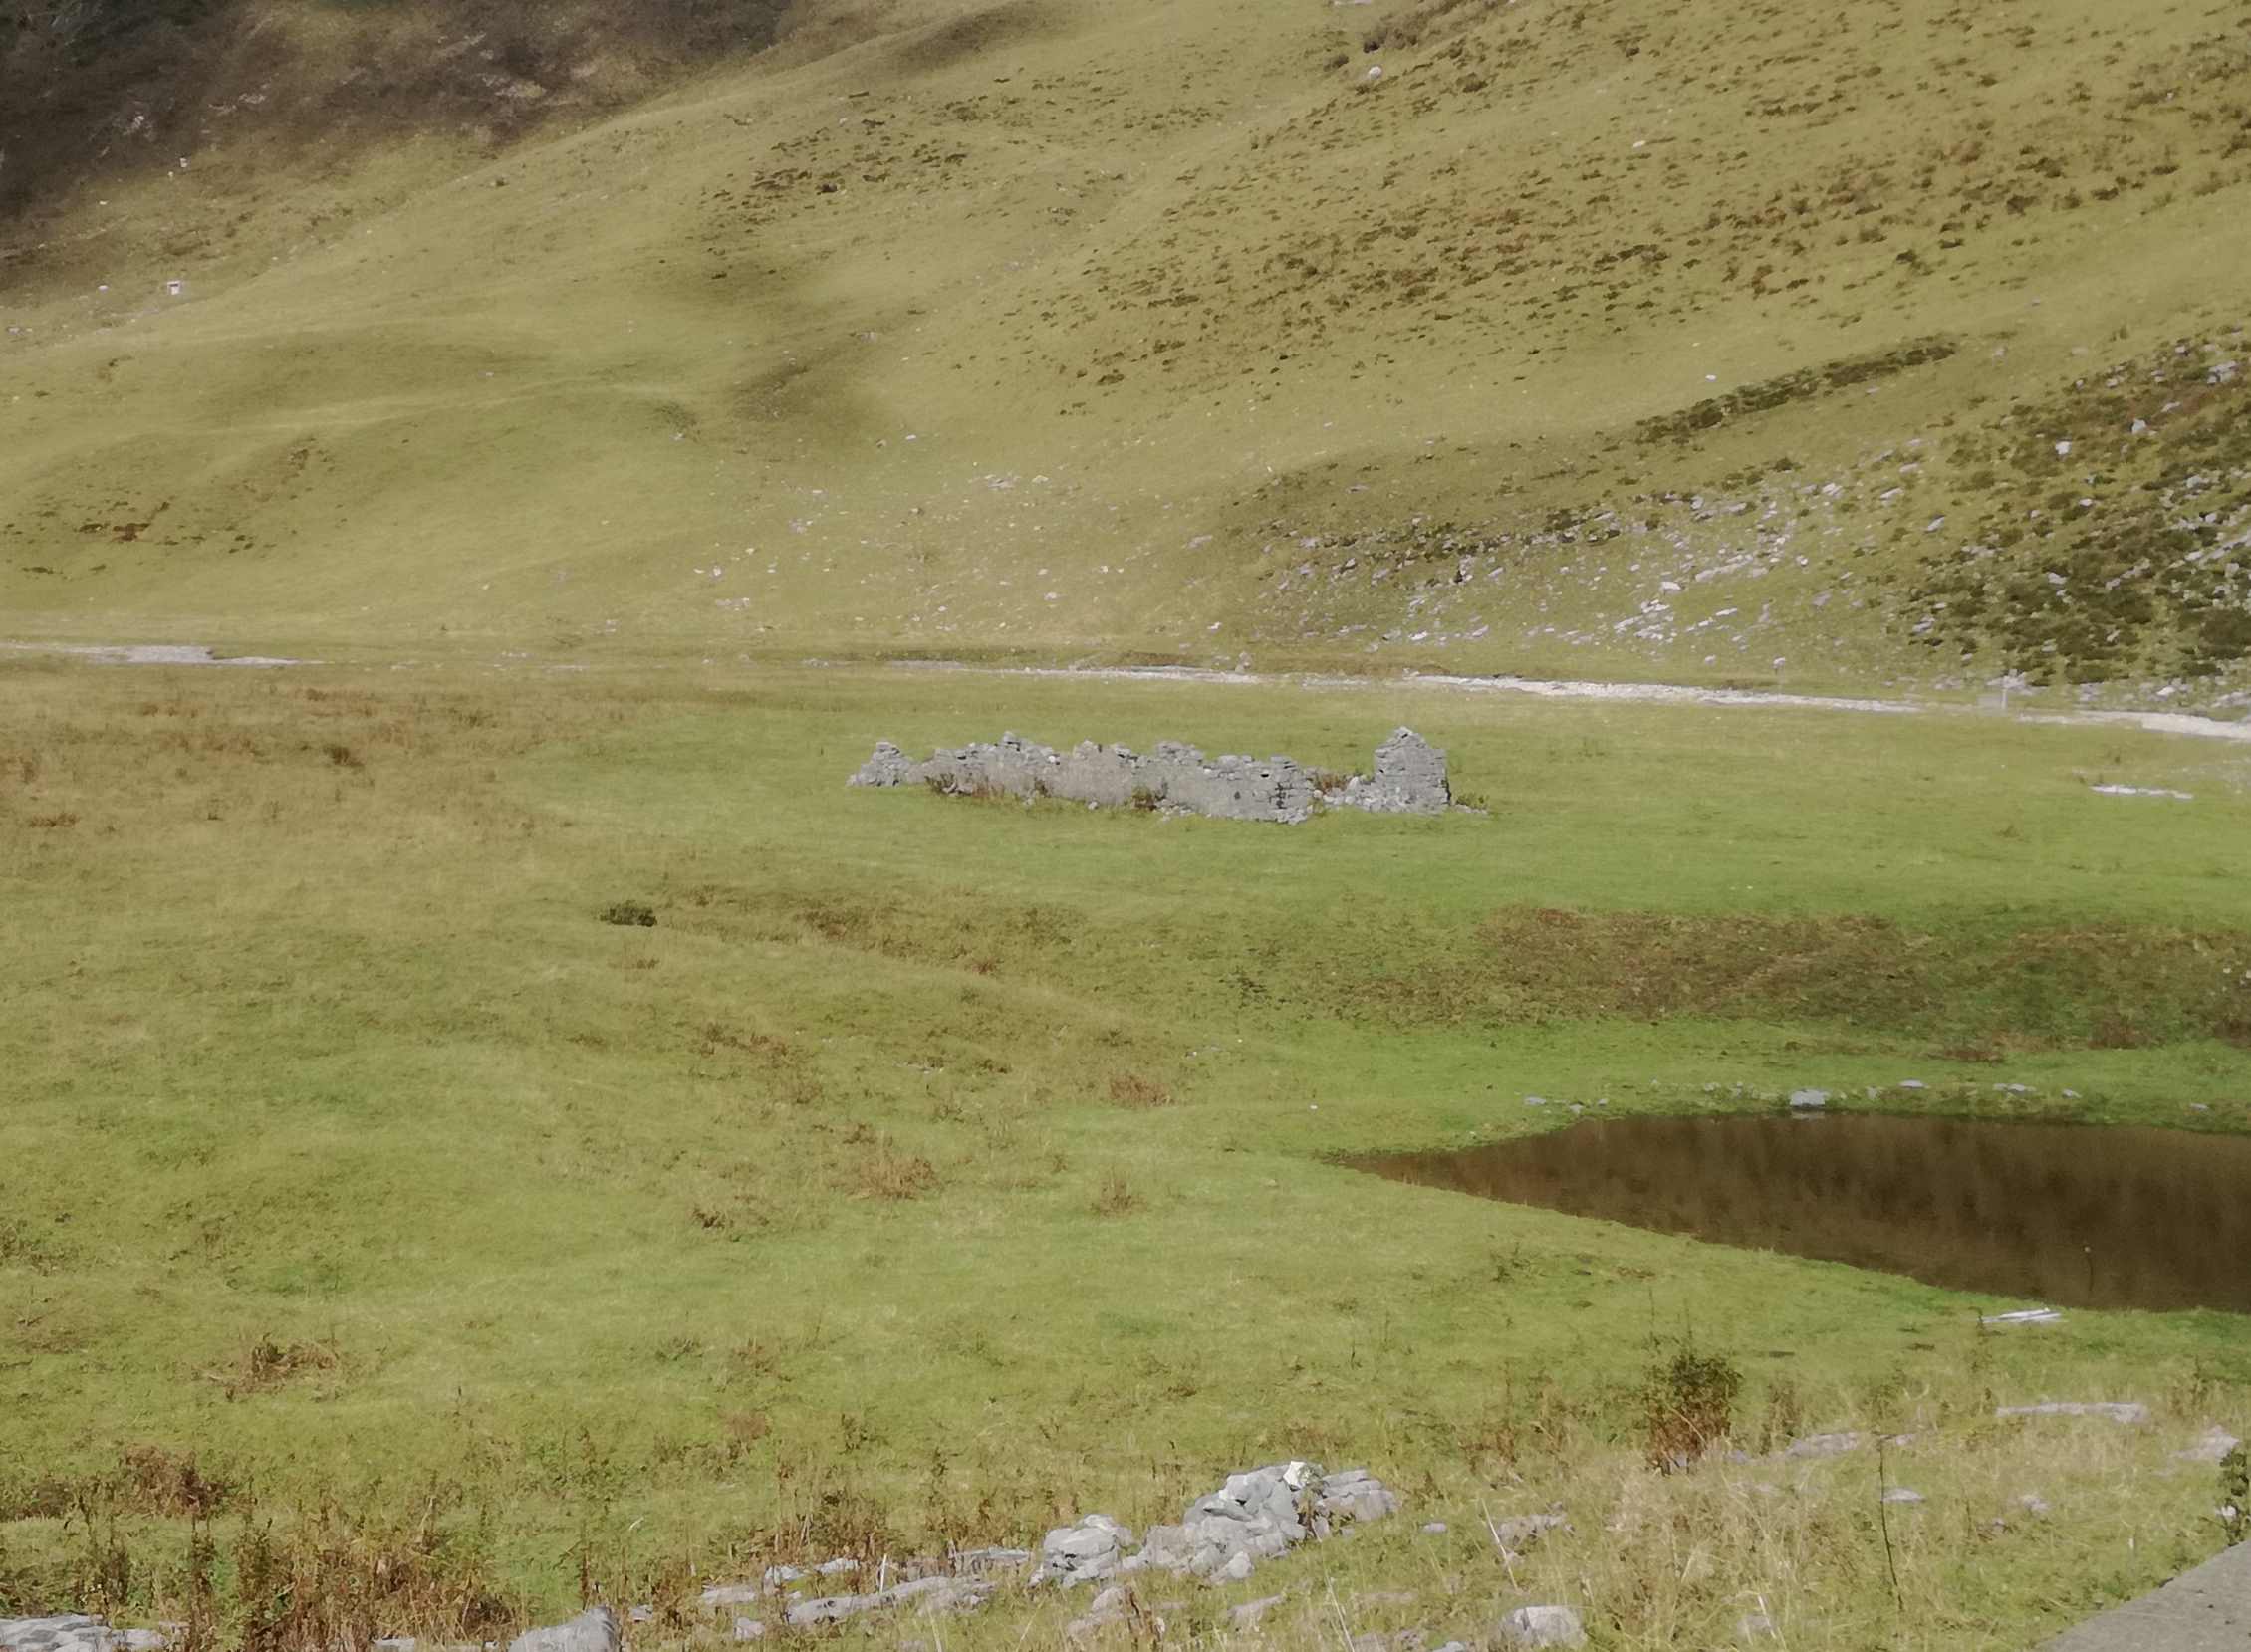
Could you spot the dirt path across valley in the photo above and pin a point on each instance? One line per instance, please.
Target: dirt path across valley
(147, 654)
(1621, 693)
(2153, 722)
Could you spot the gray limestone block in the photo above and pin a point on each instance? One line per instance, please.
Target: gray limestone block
(63, 1633)
(973, 1563)
(2211, 1446)
(1247, 1615)
(1355, 1494)
(594, 1630)
(1541, 1626)
(2117, 1411)
(737, 1595)
(1520, 1532)
(1088, 1551)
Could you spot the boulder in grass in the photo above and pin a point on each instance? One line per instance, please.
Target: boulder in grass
(62, 1632)
(1519, 1533)
(1262, 1512)
(1541, 1626)
(594, 1630)
(2126, 1412)
(1087, 1551)
(1354, 1495)
(2213, 1446)
(1108, 1607)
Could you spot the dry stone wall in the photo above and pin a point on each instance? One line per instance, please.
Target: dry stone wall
(1410, 778)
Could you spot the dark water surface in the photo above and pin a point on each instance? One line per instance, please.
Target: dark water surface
(2087, 1216)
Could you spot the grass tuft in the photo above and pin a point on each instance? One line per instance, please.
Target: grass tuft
(1139, 1090)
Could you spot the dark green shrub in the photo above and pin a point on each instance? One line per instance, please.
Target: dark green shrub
(1691, 1406)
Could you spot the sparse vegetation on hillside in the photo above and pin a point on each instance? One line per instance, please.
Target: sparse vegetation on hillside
(2117, 537)
(113, 88)
(491, 1122)
(1698, 341)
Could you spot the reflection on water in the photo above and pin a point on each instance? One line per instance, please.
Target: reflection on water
(2080, 1215)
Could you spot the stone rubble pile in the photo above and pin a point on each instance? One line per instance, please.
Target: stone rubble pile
(594, 1630)
(930, 1595)
(957, 1582)
(1410, 778)
(1256, 1516)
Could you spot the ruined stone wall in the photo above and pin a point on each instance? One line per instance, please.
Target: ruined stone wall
(1410, 778)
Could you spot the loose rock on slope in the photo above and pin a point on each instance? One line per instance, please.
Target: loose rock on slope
(590, 1631)
(1541, 1626)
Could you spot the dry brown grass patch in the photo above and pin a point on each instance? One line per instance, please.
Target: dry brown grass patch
(1115, 1196)
(1134, 1090)
(887, 1172)
(263, 1363)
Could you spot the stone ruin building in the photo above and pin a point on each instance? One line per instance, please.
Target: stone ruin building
(1408, 777)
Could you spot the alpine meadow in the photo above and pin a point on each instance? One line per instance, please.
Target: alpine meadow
(498, 1137)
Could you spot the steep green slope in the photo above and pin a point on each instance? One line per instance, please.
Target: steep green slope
(1626, 338)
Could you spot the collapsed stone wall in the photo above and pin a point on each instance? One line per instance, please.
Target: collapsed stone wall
(1408, 777)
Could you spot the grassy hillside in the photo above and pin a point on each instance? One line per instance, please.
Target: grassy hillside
(1619, 337)
(932, 1170)
(391, 1244)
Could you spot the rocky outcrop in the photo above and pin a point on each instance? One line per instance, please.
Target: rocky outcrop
(1410, 778)
(590, 1631)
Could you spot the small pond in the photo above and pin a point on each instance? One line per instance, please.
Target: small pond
(2087, 1216)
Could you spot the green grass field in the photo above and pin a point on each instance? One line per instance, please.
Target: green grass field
(603, 402)
(932, 1170)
